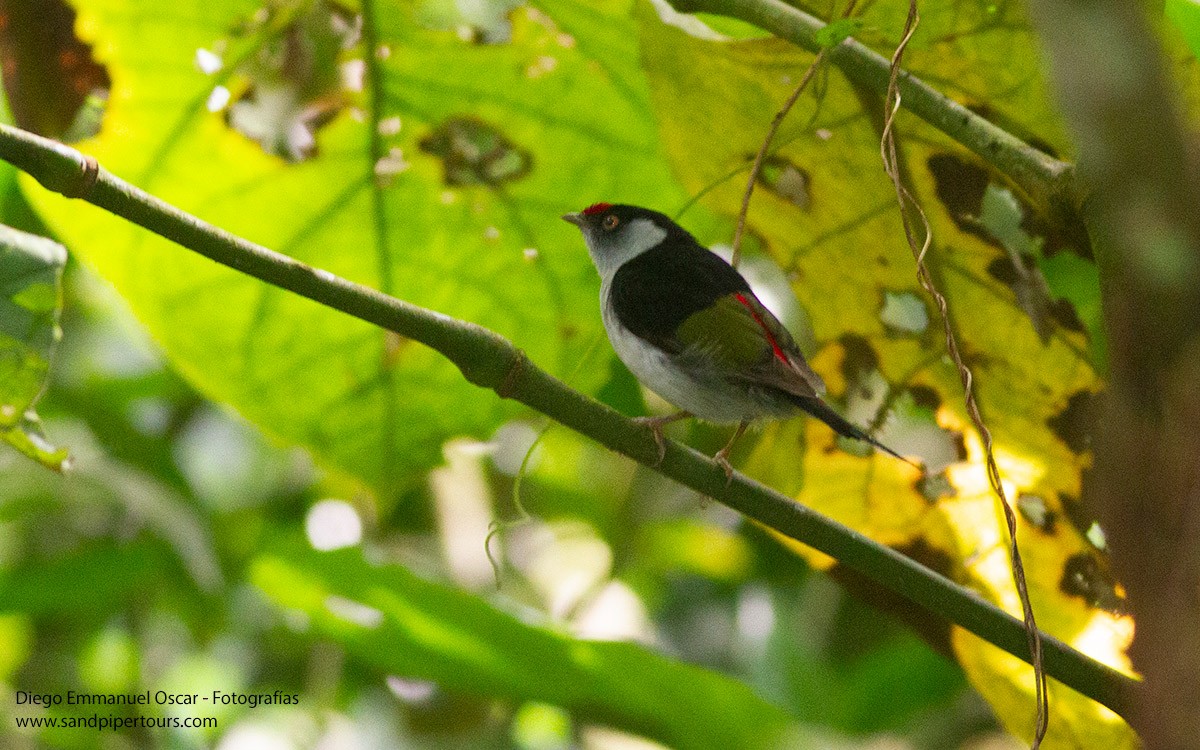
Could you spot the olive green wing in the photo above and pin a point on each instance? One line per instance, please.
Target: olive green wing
(743, 338)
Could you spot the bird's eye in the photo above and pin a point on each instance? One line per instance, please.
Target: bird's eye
(610, 222)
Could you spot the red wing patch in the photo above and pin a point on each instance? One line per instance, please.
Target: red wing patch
(596, 208)
(758, 318)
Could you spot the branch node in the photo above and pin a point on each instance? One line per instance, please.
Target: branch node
(516, 368)
(81, 183)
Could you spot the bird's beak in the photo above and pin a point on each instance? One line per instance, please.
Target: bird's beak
(576, 219)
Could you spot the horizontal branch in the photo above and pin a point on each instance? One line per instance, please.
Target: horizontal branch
(1048, 183)
(490, 361)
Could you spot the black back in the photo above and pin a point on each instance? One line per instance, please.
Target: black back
(655, 292)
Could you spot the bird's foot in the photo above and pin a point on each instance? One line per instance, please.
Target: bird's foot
(722, 456)
(656, 429)
(722, 459)
(656, 425)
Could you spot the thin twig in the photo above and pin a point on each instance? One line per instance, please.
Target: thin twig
(908, 202)
(497, 528)
(762, 152)
(766, 145)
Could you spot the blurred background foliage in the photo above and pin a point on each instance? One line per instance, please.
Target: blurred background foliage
(265, 495)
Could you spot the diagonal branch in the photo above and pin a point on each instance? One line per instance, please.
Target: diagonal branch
(490, 361)
(1048, 183)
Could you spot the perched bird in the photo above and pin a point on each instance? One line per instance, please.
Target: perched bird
(688, 326)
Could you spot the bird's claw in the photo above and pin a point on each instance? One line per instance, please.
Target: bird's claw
(722, 460)
(656, 428)
(722, 457)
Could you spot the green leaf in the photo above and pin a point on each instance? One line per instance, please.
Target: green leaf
(1185, 14)
(16, 642)
(400, 624)
(27, 437)
(392, 197)
(88, 583)
(30, 301)
(1078, 281)
(836, 32)
(30, 304)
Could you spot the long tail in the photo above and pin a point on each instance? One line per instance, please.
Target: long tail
(826, 414)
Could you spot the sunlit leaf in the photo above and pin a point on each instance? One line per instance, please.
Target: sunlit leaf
(389, 197)
(428, 153)
(850, 265)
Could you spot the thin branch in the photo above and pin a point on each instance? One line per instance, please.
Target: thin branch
(756, 169)
(1049, 184)
(908, 203)
(488, 360)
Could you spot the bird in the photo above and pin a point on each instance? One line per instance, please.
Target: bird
(689, 327)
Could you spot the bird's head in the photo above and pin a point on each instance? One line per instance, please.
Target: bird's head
(617, 233)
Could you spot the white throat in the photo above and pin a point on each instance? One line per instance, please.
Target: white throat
(638, 237)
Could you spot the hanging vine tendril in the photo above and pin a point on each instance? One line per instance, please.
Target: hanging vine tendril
(909, 207)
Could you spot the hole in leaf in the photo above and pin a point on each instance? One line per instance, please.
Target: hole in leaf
(1075, 424)
(389, 165)
(934, 487)
(912, 429)
(859, 358)
(904, 312)
(788, 181)
(1095, 535)
(1035, 510)
(294, 84)
(472, 22)
(55, 87)
(1083, 576)
(1083, 521)
(960, 186)
(476, 153)
(902, 420)
(1003, 218)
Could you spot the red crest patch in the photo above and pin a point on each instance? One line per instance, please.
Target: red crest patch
(596, 208)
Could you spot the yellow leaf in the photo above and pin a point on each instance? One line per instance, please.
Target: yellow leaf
(845, 252)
